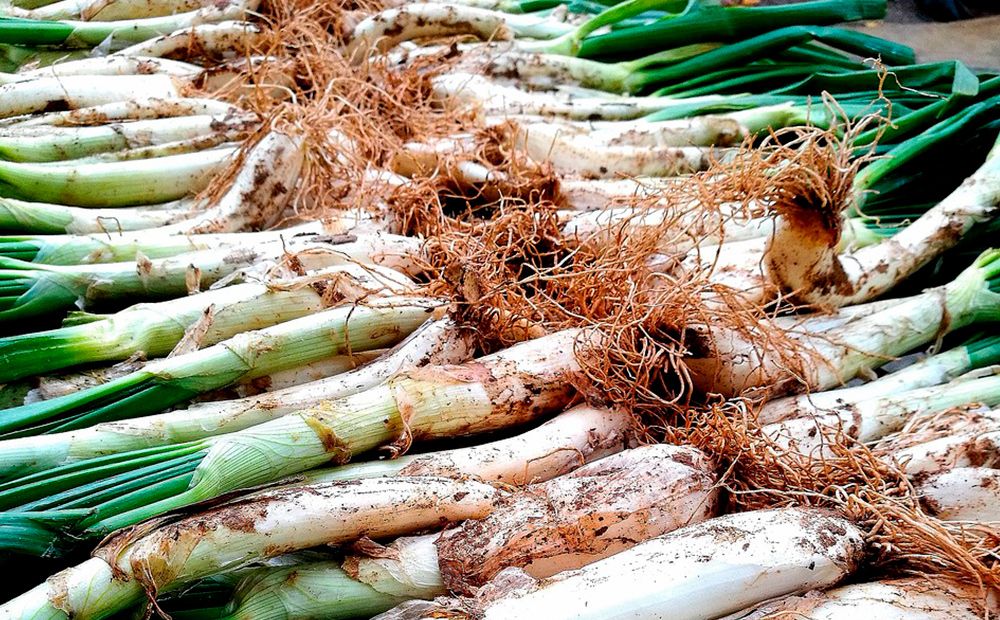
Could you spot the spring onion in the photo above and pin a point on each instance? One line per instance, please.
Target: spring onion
(933, 370)
(631, 484)
(114, 184)
(18, 216)
(726, 363)
(976, 442)
(108, 10)
(217, 39)
(806, 263)
(154, 330)
(438, 342)
(42, 144)
(642, 493)
(71, 92)
(31, 289)
(248, 354)
(128, 106)
(574, 437)
(510, 387)
(868, 419)
(692, 573)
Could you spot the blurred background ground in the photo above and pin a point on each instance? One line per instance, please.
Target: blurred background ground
(973, 41)
(976, 42)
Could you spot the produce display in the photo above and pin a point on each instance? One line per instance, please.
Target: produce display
(494, 309)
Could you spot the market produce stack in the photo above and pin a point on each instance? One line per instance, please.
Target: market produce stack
(494, 309)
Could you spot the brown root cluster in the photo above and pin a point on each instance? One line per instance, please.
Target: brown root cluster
(848, 477)
(352, 116)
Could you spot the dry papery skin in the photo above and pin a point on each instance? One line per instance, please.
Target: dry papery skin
(873, 492)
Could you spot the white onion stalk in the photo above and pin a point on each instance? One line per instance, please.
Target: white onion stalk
(873, 418)
(806, 263)
(202, 144)
(817, 322)
(34, 289)
(586, 156)
(700, 571)
(591, 513)
(256, 200)
(504, 389)
(50, 387)
(897, 599)
(291, 592)
(970, 448)
(575, 155)
(245, 530)
(725, 362)
(374, 323)
(498, 99)
(598, 194)
(509, 6)
(706, 130)
(577, 436)
(38, 289)
(933, 370)
(116, 183)
(690, 226)
(438, 342)
(504, 62)
(45, 143)
(221, 39)
(739, 263)
(139, 107)
(42, 218)
(417, 20)
(962, 494)
(572, 438)
(110, 66)
(296, 376)
(110, 247)
(71, 92)
(109, 10)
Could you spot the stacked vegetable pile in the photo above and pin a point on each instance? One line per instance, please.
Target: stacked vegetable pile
(494, 309)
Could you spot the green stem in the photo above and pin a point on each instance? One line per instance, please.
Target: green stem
(907, 151)
(569, 44)
(926, 116)
(765, 45)
(950, 77)
(713, 23)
